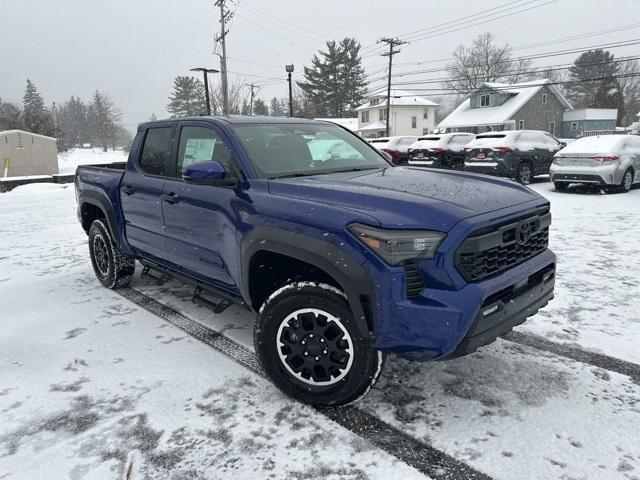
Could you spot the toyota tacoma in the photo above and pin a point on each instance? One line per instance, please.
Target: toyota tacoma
(343, 256)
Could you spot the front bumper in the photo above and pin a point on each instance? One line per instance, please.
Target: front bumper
(602, 175)
(441, 324)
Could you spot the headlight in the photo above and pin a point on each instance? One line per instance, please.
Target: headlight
(397, 246)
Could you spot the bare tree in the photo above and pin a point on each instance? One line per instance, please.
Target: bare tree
(237, 95)
(630, 88)
(484, 61)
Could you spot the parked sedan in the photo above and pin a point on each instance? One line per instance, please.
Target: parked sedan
(397, 147)
(518, 154)
(612, 160)
(440, 151)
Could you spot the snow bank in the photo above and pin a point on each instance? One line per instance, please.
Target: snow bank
(69, 161)
(31, 188)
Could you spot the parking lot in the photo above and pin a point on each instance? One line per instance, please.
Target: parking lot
(94, 383)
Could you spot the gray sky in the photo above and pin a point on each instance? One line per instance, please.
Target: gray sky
(133, 49)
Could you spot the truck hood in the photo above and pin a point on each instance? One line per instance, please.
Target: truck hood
(408, 197)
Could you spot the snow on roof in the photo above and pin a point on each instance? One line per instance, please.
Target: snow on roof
(595, 144)
(379, 125)
(464, 115)
(398, 98)
(350, 123)
(22, 132)
(591, 114)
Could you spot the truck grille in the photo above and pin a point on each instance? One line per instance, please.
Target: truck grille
(500, 247)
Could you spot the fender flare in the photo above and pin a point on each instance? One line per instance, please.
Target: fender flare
(354, 280)
(102, 202)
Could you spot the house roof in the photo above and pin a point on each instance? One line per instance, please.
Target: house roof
(398, 98)
(22, 132)
(350, 123)
(379, 125)
(521, 93)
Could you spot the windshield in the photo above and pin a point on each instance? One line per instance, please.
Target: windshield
(283, 150)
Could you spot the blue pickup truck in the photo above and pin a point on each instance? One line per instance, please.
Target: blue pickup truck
(343, 256)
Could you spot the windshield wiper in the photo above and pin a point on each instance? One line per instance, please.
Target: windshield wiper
(293, 175)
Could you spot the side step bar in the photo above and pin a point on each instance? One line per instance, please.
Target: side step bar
(223, 300)
(218, 307)
(159, 279)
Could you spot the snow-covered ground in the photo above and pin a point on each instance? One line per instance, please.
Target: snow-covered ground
(68, 161)
(89, 379)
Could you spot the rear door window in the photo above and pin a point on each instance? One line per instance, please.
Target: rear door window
(156, 152)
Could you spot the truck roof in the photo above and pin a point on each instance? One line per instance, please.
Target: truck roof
(239, 119)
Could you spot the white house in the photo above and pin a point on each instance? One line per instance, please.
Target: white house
(408, 115)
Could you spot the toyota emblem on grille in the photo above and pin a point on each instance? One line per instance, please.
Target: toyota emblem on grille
(523, 232)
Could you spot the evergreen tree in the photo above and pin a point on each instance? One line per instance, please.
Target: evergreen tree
(594, 83)
(259, 107)
(276, 110)
(245, 110)
(188, 98)
(72, 122)
(335, 84)
(36, 117)
(153, 117)
(103, 119)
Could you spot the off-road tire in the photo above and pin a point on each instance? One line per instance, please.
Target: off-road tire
(627, 181)
(524, 173)
(286, 303)
(112, 267)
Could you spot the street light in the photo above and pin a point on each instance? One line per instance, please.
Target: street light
(206, 72)
(289, 69)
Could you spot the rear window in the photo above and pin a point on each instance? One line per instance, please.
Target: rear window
(156, 152)
(428, 139)
(597, 144)
(379, 141)
(491, 140)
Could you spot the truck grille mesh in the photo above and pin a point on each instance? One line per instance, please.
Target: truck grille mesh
(497, 249)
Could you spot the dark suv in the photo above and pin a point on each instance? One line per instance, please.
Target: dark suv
(445, 150)
(519, 154)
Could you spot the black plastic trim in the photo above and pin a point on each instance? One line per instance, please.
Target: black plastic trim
(350, 275)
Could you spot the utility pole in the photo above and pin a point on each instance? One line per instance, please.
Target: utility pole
(289, 69)
(392, 42)
(253, 95)
(225, 16)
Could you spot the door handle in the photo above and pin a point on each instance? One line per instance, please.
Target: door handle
(170, 197)
(128, 189)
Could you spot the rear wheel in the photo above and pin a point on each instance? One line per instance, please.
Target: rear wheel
(524, 173)
(308, 343)
(627, 181)
(561, 185)
(113, 267)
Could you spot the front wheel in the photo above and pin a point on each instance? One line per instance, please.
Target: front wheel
(524, 173)
(308, 343)
(561, 186)
(113, 267)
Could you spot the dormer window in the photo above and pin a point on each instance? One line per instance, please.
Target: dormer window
(485, 100)
(374, 101)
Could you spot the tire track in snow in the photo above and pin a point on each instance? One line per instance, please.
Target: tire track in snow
(578, 354)
(413, 452)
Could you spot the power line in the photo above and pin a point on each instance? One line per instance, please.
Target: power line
(276, 34)
(535, 56)
(454, 28)
(304, 32)
(444, 92)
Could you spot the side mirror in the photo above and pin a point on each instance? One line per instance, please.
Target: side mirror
(562, 145)
(206, 173)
